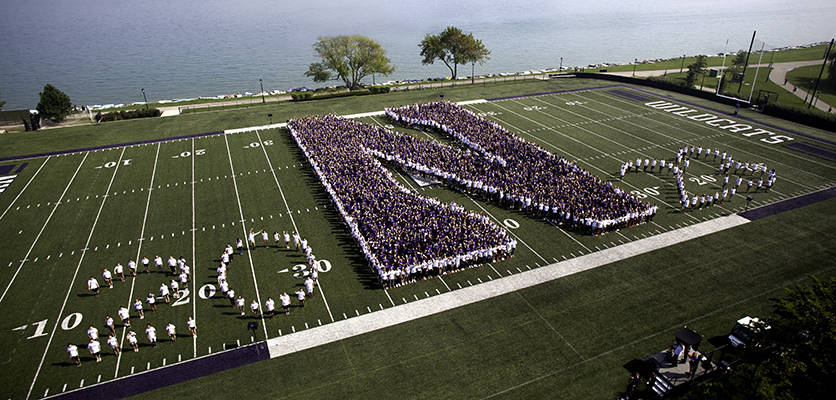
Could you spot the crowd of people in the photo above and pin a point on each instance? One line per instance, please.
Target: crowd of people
(728, 188)
(405, 236)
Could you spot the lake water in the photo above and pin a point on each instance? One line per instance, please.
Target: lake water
(106, 51)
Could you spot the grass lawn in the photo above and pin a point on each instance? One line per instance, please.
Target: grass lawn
(64, 218)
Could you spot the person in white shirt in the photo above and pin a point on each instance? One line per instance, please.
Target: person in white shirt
(240, 245)
(285, 303)
(240, 302)
(132, 267)
(277, 238)
(152, 302)
(300, 294)
(93, 286)
(114, 344)
(138, 308)
(297, 241)
(109, 324)
(251, 239)
(164, 292)
(73, 351)
(125, 316)
(119, 271)
(145, 263)
(93, 333)
(172, 331)
(270, 305)
(95, 349)
(158, 261)
(265, 237)
(254, 306)
(175, 289)
(286, 240)
(151, 332)
(184, 279)
(192, 327)
(108, 278)
(309, 283)
(172, 264)
(133, 341)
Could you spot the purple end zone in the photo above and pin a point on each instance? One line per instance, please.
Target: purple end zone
(170, 375)
(819, 152)
(6, 169)
(788, 204)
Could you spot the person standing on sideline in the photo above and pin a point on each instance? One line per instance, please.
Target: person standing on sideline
(133, 341)
(172, 331)
(73, 351)
(192, 327)
(93, 286)
(300, 294)
(114, 344)
(285, 303)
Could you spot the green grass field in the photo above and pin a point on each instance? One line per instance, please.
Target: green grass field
(65, 218)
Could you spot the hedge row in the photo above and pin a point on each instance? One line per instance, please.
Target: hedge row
(803, 115)
(669, 80)
(302, 96)
(138, 113)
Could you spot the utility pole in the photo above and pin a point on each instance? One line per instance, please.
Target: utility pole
(826, 54)
(747, 62)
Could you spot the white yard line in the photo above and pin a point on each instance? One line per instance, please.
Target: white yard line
(26, 186)
(320, 335)
(194, 257)
(293, 221)
(60, 199)
(500, 223)
(244, 229)
(138, 252)
(77, 268)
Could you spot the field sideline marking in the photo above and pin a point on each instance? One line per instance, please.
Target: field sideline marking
(244, 229)
(60, 200)
(138, 251)
(77, 268)
(24, 188)
(317, 336)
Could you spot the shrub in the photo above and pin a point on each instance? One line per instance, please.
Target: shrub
(668, 80)
(132, 114)
(803, 115)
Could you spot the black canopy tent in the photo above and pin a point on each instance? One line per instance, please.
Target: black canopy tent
(689, 338)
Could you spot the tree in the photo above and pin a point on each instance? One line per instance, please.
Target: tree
(349, 58)
(54, 103)
(453, 47)
(698, 67)
(2, 102)
(831, 69)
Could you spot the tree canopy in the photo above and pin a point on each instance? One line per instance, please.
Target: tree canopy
(349, 58)
(697, 68)
(453, 47)
(54, 103)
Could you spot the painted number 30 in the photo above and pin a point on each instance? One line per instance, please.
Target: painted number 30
(302, 270)
(642, 194)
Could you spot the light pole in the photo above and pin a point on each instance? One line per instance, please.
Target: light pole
(561, 65)
(636, 62)
(472, 71)
(683, 64)
(262, 91)
(145, 98)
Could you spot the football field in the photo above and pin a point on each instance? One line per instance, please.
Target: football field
(67, 217)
